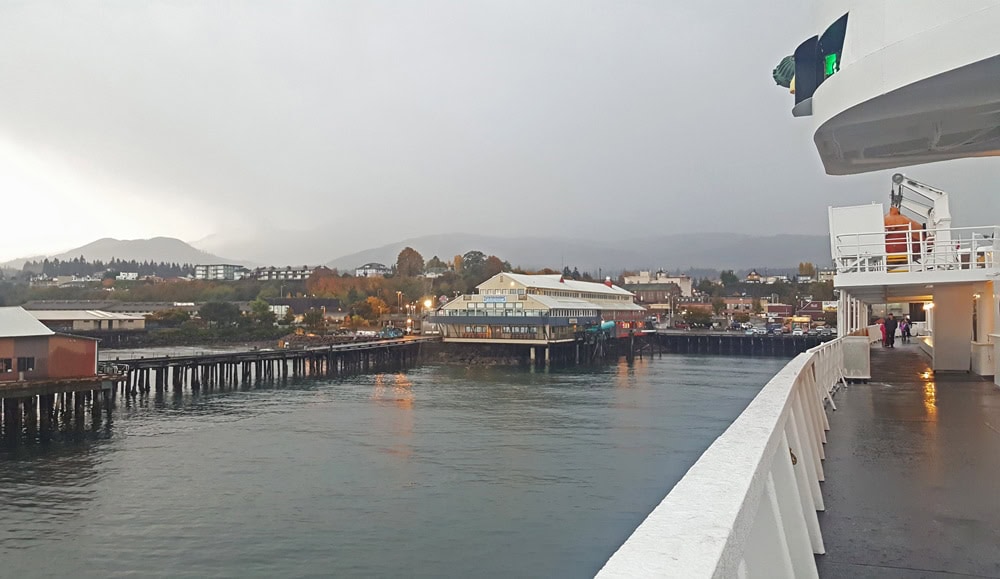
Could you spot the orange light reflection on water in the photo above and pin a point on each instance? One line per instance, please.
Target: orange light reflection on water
(396, 390)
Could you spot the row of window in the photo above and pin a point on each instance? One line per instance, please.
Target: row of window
(24, 364)
(492, 306)
(503, 329)
(502, 292)
(471, 312)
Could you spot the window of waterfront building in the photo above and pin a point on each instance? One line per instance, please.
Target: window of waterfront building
(25, 364)
(6, 365)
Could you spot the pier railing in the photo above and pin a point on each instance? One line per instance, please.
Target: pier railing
(747, 508)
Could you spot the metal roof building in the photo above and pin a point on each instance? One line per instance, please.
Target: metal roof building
(15, 322)
(88, 320)
(31, 352)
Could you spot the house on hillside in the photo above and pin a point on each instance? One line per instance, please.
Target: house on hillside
(220, 271)
(287, 273)
(373, 269)
(29, 351)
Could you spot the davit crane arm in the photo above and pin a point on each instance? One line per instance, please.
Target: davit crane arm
(928, 203)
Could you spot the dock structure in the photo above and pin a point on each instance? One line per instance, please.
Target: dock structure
(735, 344)
(38, 409)
(233, 369)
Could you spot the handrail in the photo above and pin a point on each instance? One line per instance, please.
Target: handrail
(906, 249)
(747, 508)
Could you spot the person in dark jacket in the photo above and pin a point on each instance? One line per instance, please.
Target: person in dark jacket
(890, 331)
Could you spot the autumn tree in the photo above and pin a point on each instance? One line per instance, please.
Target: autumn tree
(169, 318)
(718, 306)
(472, 263)
(220, 313)
(493, 266)
(707, 287)
(807, 269)
(371, 308)
(436, 263)
(821, 290)
(457, 264)
(261, 313)
(314, 320)
(409, 263)
(698, 318)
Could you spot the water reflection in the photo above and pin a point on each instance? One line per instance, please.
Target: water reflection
(438, 471)
(399, 419)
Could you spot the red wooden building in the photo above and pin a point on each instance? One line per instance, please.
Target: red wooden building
(29, 351)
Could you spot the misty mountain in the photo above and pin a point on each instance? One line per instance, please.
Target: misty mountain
(157, 249)
(671, 252)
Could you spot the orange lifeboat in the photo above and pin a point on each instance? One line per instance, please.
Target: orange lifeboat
(897, 228)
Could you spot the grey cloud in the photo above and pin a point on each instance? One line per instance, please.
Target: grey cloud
(371, 117)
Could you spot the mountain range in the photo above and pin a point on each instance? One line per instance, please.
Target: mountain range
(604, 251)
(158, 249)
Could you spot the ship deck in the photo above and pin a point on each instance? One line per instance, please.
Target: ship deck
(912, 468)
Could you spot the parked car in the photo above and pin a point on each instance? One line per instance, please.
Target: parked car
(760, 331)
(390, 332)
(813, 332)
(798, 332)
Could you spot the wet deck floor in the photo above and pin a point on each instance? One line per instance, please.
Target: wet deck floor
(913, 474)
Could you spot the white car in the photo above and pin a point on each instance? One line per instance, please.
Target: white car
(798, 332)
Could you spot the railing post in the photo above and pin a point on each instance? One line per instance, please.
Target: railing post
(793, 518)
(804, 492)
(801, 444)
(766, 553)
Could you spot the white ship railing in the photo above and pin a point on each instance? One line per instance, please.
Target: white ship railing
(747, 508)
(904, 249)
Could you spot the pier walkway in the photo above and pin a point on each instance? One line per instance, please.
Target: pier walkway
(912, 463)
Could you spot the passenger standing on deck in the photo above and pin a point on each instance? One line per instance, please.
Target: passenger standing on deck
(890, 331)
(881, 327)
(904, 329)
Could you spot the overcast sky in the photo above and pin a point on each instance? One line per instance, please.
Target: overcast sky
(386, 120)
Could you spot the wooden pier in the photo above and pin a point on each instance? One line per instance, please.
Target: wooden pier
(233, 369)
(736, 344)
(38, 410)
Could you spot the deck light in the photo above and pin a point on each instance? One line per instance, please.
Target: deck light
(928, 306)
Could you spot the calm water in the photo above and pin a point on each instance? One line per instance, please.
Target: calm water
(439, 472)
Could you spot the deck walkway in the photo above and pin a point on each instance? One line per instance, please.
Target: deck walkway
(913, 474)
